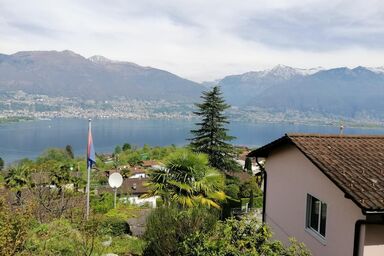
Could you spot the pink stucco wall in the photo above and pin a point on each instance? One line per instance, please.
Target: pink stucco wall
(374, 240)
(291, 176)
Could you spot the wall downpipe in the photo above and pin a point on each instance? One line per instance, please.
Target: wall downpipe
(264, 178)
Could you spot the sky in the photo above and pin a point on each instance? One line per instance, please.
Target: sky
(201, 40)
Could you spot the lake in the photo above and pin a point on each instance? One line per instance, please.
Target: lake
(29, 139)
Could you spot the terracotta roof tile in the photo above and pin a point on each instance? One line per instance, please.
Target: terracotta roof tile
(355, 163)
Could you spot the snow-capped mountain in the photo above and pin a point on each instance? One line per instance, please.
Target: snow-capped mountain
(379, 70)
(100, 59)
(342, 91)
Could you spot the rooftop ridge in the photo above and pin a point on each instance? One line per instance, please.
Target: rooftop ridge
(319, 135)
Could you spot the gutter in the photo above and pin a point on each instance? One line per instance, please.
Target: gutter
(264, 177)
(356, 240)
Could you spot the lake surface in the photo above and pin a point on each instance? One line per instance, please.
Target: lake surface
(29, 139)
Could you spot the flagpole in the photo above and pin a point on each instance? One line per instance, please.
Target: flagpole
(88, 174)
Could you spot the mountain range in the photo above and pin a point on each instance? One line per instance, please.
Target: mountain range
(338, 91)
(69, 74)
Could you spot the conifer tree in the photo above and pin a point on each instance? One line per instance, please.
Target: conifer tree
(211, 136)
(248, 165)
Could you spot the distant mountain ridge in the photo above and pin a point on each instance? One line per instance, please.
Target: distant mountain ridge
(69, 74)
(339, 91)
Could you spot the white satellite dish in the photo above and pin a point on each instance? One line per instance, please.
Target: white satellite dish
(115, 180)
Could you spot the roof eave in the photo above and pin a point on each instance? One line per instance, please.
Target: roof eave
(266, 149)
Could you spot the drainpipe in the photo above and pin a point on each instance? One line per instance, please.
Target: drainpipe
(264, 177)
(356, 241)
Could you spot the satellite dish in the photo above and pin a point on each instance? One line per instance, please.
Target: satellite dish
(115, 180)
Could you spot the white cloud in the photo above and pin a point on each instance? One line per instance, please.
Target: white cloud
(201, 40)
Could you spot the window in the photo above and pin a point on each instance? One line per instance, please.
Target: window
(316, 215)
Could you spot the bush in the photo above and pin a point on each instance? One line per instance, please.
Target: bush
(55, 238)
(102, 203)
(239, 237)
(126, 245)
(115, 226)
(168, 227)
(14, 225)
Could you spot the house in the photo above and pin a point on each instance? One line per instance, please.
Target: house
(326, 191)
(135, 188)
(137, 172)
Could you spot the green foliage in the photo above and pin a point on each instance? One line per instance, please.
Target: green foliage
(1, 164)
(239, 237)
(115, 226)
(167, 228)
(55, 238)
(61, 237)
(14, 225)
(211, 136)
(251, 200)
(69, 151)
(188, 181)
(54, 154)
(232, 187)
(248, 165)
(126, 245)
(17, 178)
(117, 150)
(126, 146)
(248, 186)
(123, 211)
(102, 203)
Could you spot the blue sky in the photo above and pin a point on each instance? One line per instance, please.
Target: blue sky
(202, 39)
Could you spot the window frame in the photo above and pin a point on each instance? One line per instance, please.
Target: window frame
(309, 215)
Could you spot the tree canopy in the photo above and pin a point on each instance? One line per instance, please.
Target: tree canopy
(211, 135)
(188, 180)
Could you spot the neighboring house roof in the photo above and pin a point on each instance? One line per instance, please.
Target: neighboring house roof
(242, 176)
(149, 163)
(137, 170)
(136, 186)
(133, 186)
(355, 163)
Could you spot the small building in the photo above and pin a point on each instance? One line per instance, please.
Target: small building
(137, 187)
(326, 191)
(137, 172)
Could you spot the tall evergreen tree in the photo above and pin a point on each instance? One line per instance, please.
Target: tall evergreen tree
(211, 137)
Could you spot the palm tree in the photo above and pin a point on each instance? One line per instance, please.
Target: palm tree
(188, 181)
(16, 179)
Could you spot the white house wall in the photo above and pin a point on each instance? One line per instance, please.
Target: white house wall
(141, 201)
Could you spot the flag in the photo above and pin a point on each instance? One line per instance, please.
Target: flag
(91, 159)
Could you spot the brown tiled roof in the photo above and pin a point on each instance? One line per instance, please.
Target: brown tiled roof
(136, 186)
(137, 169)
(149, 163)
(130, 186)
(355, 163)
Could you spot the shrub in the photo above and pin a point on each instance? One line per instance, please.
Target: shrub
(55, 238)
(167, 227)
(102, 203)
(115, 226)
(126, 245)
(14, 225)
(239, 237)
